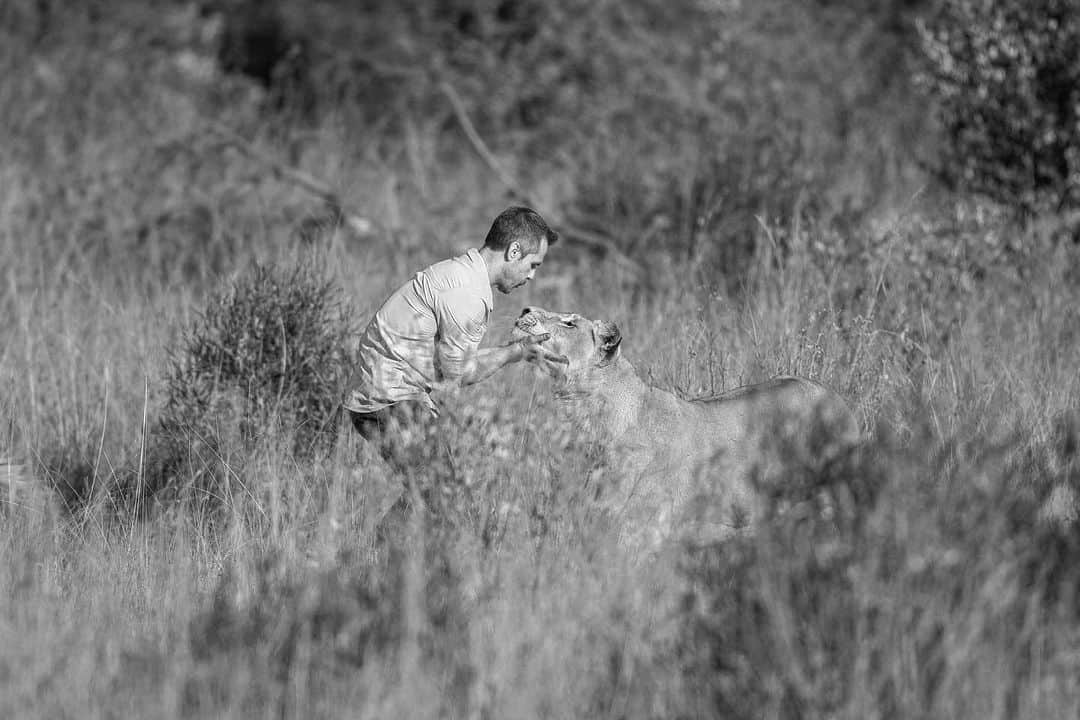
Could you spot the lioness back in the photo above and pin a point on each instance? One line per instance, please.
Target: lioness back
(785, 396)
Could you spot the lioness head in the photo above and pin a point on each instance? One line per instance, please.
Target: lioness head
(586, 344)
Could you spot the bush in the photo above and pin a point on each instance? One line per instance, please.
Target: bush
(269, 353)
(1006, 76)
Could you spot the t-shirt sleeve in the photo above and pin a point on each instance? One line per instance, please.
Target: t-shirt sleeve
(462, 322)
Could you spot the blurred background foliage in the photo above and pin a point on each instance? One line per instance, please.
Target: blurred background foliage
(650, 129)
(657, 126)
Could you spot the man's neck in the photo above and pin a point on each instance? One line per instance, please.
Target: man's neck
(491, 262)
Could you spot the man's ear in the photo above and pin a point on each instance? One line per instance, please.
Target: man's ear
(513, 251)
(610, 338)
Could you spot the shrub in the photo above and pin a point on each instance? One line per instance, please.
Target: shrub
(1006, 76)
(268, 353)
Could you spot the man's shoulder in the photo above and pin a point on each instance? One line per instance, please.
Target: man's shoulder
(465, 297)
(465, 270)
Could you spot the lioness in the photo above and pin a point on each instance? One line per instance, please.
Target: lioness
(678, 467)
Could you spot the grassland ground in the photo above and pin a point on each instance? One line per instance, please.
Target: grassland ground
(941, 588)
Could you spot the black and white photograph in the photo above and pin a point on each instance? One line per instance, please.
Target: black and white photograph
(539, 359)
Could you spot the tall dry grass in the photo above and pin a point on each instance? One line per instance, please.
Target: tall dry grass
(940, 583)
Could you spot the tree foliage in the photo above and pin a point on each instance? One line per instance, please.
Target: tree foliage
(1006, 76)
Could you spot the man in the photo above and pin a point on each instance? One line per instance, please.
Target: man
(427, 334)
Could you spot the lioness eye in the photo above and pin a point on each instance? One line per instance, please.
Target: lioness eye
(568, 323)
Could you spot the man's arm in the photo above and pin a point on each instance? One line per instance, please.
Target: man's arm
(462, 321)
(490, 360)
(487, 361)
(459, 360)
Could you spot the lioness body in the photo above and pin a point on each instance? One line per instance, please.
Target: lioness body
(679, 466)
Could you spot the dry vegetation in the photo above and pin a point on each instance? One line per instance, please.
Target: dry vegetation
(182, 536)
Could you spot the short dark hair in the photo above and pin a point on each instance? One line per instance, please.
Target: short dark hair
(521, 224)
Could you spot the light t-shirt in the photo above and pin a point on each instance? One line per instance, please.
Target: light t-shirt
(427, 330)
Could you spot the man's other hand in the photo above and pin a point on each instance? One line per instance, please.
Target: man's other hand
(533, 351)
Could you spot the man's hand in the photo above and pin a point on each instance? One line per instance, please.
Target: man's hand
(488, 360)
(533, 351)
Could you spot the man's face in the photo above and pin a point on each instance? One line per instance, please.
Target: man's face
(520, 267)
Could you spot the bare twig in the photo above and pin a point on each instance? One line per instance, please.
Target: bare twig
(323, 191)
(301, 179)
(478, 143)
(588, 238)
(140, 480)
(570, 231)
(101, 442)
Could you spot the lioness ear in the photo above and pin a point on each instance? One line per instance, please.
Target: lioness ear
(610, 338)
